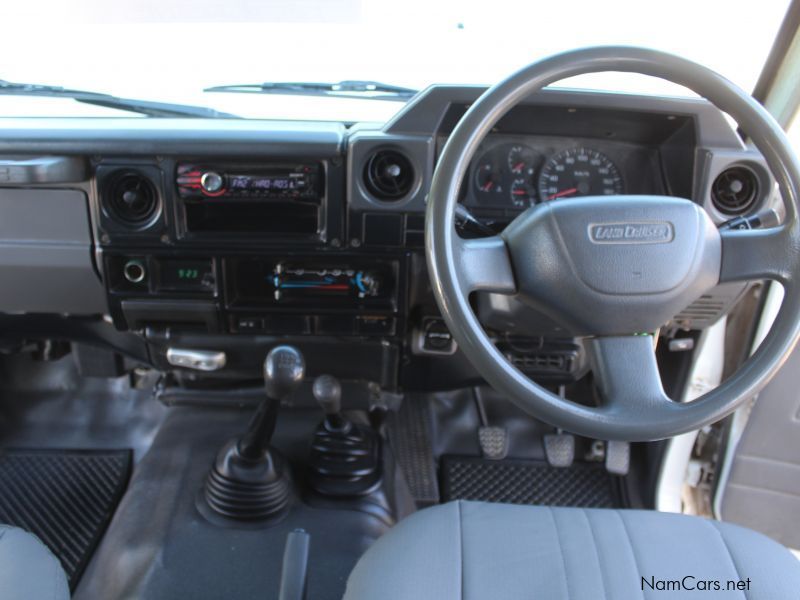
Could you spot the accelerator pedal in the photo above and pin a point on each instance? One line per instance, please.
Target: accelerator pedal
(618, 457)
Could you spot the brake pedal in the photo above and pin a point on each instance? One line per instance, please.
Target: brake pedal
(618, 457)
(559, 449)
(494, 442)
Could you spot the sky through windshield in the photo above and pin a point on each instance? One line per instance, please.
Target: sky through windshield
(169, 50)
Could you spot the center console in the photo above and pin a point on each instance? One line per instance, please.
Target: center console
(241, 248)
(247, 294)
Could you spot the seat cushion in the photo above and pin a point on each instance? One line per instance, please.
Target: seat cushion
(28, 570)
(474, 550)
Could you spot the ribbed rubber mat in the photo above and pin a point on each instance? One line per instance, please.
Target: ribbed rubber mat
(528, 482)
(65, 497)
(409, 432)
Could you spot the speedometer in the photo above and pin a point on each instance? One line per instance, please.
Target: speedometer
(579, 172)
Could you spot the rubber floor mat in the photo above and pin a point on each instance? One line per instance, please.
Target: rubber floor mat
(528, 482)
(65, 497)
(409, 432)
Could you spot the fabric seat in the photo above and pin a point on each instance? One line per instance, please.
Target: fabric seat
(28, 570)
(473, 550)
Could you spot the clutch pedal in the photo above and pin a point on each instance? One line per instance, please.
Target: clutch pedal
(494, 442)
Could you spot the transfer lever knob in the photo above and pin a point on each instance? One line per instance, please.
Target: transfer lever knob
(284, 369)
(328, 392)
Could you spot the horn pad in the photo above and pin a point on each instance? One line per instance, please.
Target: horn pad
(608, 265)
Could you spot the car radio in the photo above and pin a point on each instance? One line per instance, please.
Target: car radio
(300, 182)
(282, 200)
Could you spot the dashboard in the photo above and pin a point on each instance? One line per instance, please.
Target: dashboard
(223, 236)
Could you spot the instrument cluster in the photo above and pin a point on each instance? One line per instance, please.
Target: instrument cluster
(516, 174)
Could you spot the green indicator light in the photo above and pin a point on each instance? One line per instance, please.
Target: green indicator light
(188, 273)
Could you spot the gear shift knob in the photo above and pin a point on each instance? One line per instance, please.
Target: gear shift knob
(328, 393)
(284, 369)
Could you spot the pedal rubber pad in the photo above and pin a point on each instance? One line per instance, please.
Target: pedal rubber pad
(618, 457)
(494, 442)
(560, 449)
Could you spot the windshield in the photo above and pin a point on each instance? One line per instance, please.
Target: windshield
(171, 50)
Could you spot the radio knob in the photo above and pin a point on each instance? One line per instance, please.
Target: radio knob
(211, 182)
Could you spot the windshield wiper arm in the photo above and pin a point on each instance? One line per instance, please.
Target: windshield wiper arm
(373, 90)
(144, 107)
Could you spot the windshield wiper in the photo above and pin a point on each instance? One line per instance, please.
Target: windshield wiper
(372, 90)
(144, 107)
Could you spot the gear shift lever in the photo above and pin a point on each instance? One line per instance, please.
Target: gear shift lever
(284, 369)
(345, 456)
(248, 480)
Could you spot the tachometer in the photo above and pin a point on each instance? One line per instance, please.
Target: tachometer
(579, 172)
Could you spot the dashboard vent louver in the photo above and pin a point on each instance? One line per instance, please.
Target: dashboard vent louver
(131, 199)
(735, 190)
(702, 312)
(389, 175)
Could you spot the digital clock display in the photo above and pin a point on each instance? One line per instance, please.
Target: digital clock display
(186, 275)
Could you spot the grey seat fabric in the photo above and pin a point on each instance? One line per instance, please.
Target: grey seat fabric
(473, 550)
(28, 570)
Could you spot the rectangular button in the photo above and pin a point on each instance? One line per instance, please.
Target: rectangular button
(249, 325)
(336, 325)
(376, 325)
(287, 324)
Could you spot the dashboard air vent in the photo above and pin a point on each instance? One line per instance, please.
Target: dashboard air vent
(131, 199)
(389, 175)
(735, 190)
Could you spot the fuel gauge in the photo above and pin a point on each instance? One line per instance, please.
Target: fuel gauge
(521, 160)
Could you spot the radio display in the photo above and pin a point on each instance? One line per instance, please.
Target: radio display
(267, 182)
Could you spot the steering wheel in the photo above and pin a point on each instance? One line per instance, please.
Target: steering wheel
(612, 268)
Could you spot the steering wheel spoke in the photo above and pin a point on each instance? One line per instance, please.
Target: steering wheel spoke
(484, 264)
(627, 376)
(755, 254)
